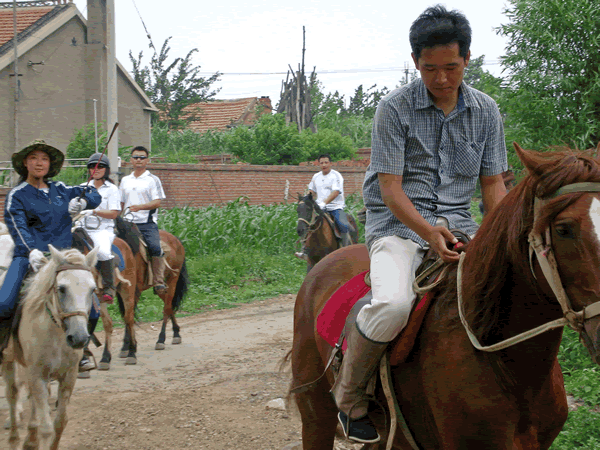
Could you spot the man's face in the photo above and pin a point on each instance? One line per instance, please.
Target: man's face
(139, 160)
(442, 70)
(325, 165)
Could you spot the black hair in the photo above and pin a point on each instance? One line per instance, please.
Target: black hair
(140, 148)
(438, 26)
(324, 155)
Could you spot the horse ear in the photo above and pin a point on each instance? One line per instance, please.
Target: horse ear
(528, 158)
(92, 257)
(54, 254)
(597, 149)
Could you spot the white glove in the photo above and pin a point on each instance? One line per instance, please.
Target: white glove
(76, 205)
(321, 204)
(36, 259)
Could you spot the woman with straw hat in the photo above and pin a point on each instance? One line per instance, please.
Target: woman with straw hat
(37, 212)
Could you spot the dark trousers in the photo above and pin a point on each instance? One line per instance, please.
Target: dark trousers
(152, 238)
(9, 292)
(341, 220)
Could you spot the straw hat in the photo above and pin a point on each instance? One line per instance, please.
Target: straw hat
(57, 157)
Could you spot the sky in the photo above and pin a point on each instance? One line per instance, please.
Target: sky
(350, 42)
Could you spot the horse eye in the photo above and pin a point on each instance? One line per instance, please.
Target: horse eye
(565, 231)
(62, 289)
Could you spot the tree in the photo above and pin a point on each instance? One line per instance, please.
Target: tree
(364, 103)
(553, 94)
(172, 86)
(477, 77)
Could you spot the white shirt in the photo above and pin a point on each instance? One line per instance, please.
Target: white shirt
(140, 190)
(324, 185)
(111, 200)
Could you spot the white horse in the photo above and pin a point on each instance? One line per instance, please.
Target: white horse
(51, 335)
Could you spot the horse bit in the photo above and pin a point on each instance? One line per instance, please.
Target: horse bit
(547, 262)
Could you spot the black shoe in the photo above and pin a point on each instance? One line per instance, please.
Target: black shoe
(85, 365)
(359, 430)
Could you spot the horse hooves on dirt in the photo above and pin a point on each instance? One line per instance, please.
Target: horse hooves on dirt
(159, 346)
(124, 354)
(103, 366)
(176, 340)
(84, 374)
(131, 361)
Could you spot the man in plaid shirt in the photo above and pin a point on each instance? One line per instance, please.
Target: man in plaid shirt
(432, 140)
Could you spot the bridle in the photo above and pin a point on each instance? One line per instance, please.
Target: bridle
(56, 313)
(313, 225)
(547, 261)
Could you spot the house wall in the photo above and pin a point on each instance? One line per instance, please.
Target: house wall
(52, 104)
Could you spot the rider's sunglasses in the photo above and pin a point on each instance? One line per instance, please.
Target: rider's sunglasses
(100, 166)
(139, 157)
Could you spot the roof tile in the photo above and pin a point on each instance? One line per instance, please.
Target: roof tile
(25, 18)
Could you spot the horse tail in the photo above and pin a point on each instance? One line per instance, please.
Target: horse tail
(121, 305)
(181, 288)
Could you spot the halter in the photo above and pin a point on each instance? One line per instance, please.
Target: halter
(58, 312)
(311, 225)
(547, 262)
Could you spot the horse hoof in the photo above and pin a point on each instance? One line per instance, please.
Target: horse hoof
(176, 340)
(159, 346)
(84, 374)
(103, 366)
(124, 354)
(131, 361)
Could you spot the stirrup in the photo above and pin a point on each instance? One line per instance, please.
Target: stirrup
(359, 430)
(86, 364)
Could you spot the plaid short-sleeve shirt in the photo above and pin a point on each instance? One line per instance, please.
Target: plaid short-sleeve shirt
(439, 157)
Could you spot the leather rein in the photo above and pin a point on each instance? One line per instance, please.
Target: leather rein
(58, 311)
(542, 249)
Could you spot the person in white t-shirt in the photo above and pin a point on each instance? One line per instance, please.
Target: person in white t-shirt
(141, 195)
(327, 187)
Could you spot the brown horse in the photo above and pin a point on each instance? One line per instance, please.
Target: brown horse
(452, 395)
(315, 232)
(125, 281)
(176, 279)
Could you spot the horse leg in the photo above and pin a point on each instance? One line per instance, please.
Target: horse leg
(65, 389)
(176, 329)
(12, 395)
(126, 344)
(319, 417)
(160, 344)
(42, 431)
(130, 300)
(108, 329)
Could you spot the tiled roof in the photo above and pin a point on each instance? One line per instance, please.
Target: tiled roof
(25, 18)
(222, 114)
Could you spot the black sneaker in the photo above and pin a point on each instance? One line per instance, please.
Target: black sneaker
(359, 430)
(86, 364)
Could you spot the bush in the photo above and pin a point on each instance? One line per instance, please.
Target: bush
(181, 146)
(82, 144)
(327, 141)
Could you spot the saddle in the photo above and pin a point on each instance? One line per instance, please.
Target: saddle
(340, 311)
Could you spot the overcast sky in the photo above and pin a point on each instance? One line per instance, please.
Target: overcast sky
(350, 42)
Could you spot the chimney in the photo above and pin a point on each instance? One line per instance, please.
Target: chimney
(101, 66)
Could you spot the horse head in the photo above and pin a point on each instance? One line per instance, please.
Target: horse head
(565, 235)
(65, 285)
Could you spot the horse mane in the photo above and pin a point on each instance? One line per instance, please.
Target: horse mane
(37, 287)
(129, 232)
(500, 247)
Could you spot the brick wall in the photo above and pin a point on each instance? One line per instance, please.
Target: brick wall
(198, 185)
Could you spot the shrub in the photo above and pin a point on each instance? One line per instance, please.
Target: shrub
(327, 141)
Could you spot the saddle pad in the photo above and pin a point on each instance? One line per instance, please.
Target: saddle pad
(332, 318)
(117, 252)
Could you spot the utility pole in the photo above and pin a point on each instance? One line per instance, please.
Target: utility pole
(405, 72)
(16, 75)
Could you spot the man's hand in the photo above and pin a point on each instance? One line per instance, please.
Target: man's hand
(438, 238)
(76, 205)
(135, 208)
(36, 259)
(321, 204)
(87, 212)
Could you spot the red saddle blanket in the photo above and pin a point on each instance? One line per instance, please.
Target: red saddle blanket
(332, 318)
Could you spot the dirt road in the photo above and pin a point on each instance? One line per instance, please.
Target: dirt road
(210, 392)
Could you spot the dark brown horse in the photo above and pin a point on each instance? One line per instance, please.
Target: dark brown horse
(452, 395)
(316, 233)
(176, 279)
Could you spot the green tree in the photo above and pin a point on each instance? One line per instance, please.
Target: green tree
(552, 58)
(172, 86)
(477, 77)
(82, 144)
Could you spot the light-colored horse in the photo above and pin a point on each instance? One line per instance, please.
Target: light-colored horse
(50, 339)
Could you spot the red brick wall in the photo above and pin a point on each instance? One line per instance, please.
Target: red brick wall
(213, 184)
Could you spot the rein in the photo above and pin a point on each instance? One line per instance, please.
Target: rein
(58, 311)
(547, 262)
(313, 225)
